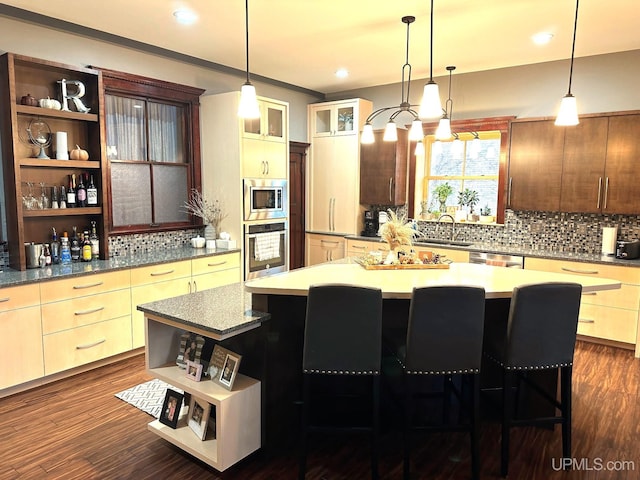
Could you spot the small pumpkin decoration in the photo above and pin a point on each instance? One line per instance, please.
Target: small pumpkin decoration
(78, 154)
(50, 103)
(29, 100)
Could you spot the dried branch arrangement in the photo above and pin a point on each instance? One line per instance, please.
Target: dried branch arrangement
(211, 212)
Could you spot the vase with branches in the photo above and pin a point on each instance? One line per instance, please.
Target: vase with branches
(211, 212)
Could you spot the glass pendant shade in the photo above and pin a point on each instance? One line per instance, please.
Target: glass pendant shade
(419, 149)
(416, 133)
(248, 107)
(367, 134)
(390, 132)
(431, 106)
(568, 114)
(443, 132)
(457, 147)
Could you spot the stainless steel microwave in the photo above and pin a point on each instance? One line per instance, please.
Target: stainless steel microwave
(265, 198)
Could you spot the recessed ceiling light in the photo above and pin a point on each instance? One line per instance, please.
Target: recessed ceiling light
(342, 73)
(186, 17)
(542, 38)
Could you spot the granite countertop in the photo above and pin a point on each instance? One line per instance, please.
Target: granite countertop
(525, 252)
(221, 311)
(10, 277)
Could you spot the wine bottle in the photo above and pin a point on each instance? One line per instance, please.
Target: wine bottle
(92, 193)
(81, 192)
(86, 247)
(95, 242)
(71, 192)
(75, 246)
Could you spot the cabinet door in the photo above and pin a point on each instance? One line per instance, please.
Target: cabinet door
(344, 177)
(622, 189)
(20, 346)
(585, 148)
(383, 171)
(535, 166)
(263, 159)
(272, 124)
(320, 185)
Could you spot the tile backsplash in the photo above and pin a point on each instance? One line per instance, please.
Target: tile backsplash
(555, 231)
(120, 245)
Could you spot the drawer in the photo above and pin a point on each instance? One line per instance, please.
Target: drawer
(627, 296)
(82, 311)
(609, 323)
(20, 346)
(460, 256)
(19, 297)
(83, 285)
(215, 264)
(160, 273)
(628, 275)
(213, 280)
(82, 345)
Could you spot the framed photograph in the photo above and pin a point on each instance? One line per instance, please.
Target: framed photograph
(229, 370)
(171, 408)
(194, 370)
(198, 416)
(190, 349)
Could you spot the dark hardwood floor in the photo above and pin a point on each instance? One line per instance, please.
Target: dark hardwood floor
(77, 429)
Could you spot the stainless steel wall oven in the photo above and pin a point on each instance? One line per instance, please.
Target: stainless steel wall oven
(265, 249)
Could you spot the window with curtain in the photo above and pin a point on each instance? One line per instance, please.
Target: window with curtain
(153, 152)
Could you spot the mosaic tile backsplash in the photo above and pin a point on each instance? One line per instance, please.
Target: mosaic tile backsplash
(120, 245)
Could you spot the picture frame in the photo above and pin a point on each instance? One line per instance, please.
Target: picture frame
(190, 349)
(198, 417)
(193, 370)
(171, 408)
(229, 370)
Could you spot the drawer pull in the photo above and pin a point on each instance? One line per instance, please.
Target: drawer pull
(590, 293)
(360, 247)
(329, 242)
(5, 299)
(87, 312)
(89, 345)
(586, 320)
(216, 264)
(166, 272)
(90, 285)
(576, 270)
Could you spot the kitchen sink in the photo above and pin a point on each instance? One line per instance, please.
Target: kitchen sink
(441, 241)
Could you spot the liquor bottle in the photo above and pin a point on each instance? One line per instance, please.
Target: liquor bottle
(63, 197)
(71, 192)
(86, 247)
(92, 193)
(65, 250)
(95, 242)
(55, 247)
(54, 197)
(46, 251)
(81, 193)
(75, 246)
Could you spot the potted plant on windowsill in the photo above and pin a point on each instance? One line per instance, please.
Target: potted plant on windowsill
(442, 192)
(485, 215)
(469, 198)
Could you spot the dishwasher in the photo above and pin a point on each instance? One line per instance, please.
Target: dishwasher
(497, 259)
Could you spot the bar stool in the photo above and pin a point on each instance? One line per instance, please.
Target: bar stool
(444, 338)
(540, 335)
(342, 340)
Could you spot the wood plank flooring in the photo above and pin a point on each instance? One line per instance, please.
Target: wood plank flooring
(77, 429)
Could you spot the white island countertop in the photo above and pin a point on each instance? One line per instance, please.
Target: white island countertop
(498, 282)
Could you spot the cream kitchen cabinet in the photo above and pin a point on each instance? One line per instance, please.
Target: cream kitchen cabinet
(273, 122)
(460, 256)
(609, 315)
(334, 118)
(323, 248)
(85, 319)
(20, 335)
(356, 248)
(211, 272)
(334, 169)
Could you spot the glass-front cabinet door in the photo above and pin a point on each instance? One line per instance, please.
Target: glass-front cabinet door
(270, 126)
(334, 120)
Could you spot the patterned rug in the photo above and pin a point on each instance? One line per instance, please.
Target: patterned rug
(148, 396)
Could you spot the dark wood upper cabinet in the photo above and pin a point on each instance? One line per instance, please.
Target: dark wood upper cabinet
(621, 187)
(383, 170)
(583, 178)
(535, 166)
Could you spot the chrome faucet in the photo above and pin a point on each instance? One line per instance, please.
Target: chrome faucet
(453, 225)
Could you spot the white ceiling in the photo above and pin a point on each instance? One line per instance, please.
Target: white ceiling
(303, 42)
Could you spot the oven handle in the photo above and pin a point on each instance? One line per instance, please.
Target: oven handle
(253, 235)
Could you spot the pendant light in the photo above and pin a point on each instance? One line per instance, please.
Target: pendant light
(431, 107)
(568, 114)
(248, 107)
(390, 132)
(443, 132)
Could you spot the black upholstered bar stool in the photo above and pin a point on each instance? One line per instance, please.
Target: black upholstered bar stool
(444, 338)
(342, 340)
(540, 335)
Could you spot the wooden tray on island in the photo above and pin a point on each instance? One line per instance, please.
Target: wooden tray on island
(406, 266)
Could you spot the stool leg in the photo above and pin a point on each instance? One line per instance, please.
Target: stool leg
(565, 399)
(475, 427)
(407, 426)
(375, 423)
(304, 422)
(507, 413)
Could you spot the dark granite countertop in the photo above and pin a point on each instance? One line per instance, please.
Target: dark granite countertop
(10, 277)
(220, 311)
(525, 252)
